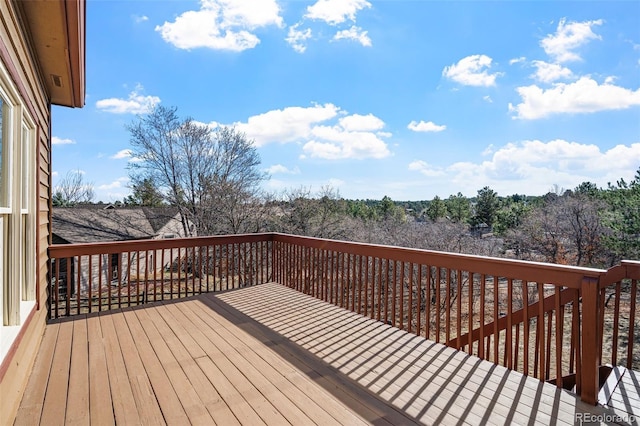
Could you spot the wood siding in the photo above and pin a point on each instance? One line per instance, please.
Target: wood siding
(20, 62)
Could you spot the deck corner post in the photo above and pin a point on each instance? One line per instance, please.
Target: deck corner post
(589, 335)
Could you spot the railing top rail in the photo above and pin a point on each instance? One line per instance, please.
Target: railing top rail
(570, 276)
(627, 269)
(67, 250)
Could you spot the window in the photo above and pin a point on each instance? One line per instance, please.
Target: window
(116, 266)
(17, 211)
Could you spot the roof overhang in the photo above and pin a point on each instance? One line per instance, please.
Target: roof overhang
(57, 31)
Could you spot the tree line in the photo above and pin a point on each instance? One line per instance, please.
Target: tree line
(213, 177)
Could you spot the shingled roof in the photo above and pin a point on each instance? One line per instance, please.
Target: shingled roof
(86, 225)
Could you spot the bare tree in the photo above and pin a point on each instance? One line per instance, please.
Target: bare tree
(565, 230)
(322, 215)
(72, 189)
(211, 175)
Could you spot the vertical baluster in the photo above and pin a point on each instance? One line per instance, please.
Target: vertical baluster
(100, 266)
(90, 284)
(470, 302)
(138, 277)
(547, 370)
(496, 316)
(540, 330)
(632, 316)
(351, 293)
(447, 305)
(147, 258)
(228, 270)
(78, 286)
(600, 322)
(128, 278)
(559, 335)
(379, 287)
(402, 266)
(325, 275)
(386, 290)
(616, 325)
(575, 332)
(419, 301)
(481, 342)
(525, 326)
(180, 251)
(427, 303)
(410, 301)
(509, 337)
(517, 347)
(438, 308)
(162, 282)
(459, 311)
(360, 274)
(171, 271)
(366, 287)
(343, 281)
(394, 292)
(154, 263)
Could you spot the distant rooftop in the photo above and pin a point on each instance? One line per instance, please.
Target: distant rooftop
(108, 223)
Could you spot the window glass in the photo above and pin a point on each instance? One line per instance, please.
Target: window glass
(4, 153)
(26, 162)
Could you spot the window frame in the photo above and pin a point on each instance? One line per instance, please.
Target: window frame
(18, 223)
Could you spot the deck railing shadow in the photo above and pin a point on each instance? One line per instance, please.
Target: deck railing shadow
(409, 371)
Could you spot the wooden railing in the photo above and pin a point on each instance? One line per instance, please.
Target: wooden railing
(94, 277)
(557, 323)
(548, 321)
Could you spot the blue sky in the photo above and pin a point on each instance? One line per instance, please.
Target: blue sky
(409, 99)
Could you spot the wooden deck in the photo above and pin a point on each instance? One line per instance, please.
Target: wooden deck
(270, 355)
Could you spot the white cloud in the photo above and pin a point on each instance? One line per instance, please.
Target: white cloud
(297, 38)
(140, 18)
(335, 183)
(548, 73)
(351, 136)
(286, 125)
(123, 153)
(425, 168)
(212, 125)
(357, 122)
(336, 12)
(568, 37)
(582, 96)
(517, 60)
(354, 33)
(472, 71)
(221, 24)
(280, 169)
(488, 150)
(536, 166)
(136, 103)
(60, 141)
(423, 126)
(333, 143)
(488, 99)
(118, 183)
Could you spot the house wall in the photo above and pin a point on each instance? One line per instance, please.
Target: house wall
(19, 63)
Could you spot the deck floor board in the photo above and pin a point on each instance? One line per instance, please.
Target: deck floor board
(270, 355)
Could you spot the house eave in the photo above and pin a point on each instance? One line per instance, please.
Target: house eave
(57, 29)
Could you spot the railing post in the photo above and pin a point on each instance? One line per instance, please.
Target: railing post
(590, 351)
